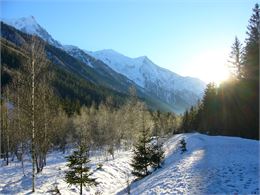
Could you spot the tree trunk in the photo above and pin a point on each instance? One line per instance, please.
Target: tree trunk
(7, 128)
(37, 163)
(33, 126)
(1, 125)
(7, 149)
(44, 160)
(22, 159)
(81, 182)
(157, 142)
(80, 188)
(19, 124)
(45, 145)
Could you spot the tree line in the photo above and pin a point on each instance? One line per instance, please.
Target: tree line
(233, 107)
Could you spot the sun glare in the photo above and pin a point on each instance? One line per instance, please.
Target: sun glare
(210, 67)
(215, 71)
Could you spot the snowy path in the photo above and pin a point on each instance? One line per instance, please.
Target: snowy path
(212, 165)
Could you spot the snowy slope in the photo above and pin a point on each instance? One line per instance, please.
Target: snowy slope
(29, 25)
(161, 82)
(78, 53)
(212, 165)
(122, 64)
(111, 178)
(142, 70)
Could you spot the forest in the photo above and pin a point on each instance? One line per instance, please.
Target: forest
(232, 108)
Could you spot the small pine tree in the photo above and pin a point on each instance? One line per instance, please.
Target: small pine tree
(157, 154)
(79, 172)
(183, 145)
(142, 155)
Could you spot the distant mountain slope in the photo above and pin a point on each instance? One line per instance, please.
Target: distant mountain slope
(64, 60)
(162, 88)
(161, 82)
(178, 106)
(29, 25)
(72, 89)
(97, 84)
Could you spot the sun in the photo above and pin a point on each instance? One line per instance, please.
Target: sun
(216, 71)
(210, 66)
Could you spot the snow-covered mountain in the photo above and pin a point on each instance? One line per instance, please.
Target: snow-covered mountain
(155, 79)
(174, 90)
(29, 25)
(78, 53)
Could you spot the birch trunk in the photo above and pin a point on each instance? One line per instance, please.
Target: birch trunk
(33, 122)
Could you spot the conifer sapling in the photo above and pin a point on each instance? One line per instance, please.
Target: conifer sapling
(79, 173)
(183, 145)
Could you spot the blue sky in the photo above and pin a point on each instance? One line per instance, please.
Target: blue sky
(189, 37)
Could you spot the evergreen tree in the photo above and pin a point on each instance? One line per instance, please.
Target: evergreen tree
(183, 145)
(236, 57)
(209, 110)
(251, 57)
(157, 153)
(142, 155)
(79, 173)
(184, 127)
(251, 68)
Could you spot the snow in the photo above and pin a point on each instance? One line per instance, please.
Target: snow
(211, 165)
(143, 71)
(29, 25)
(111, 177)
(121, 64)
(78, 53)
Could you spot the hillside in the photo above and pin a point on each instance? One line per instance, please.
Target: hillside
(162, 83)
(212, 165)
(70, 87)
(74, 79)
(158, 87)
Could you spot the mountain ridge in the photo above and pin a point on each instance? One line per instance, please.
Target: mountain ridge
(77, 82)
(150, 79)
(30, 25)
(155, 79)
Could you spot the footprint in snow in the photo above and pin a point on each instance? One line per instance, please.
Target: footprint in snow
(230, 185)
(227, 181)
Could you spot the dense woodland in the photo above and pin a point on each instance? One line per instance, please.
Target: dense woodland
(233, 107)
(71, 90)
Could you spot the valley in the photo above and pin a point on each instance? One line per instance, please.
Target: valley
(129, 97)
